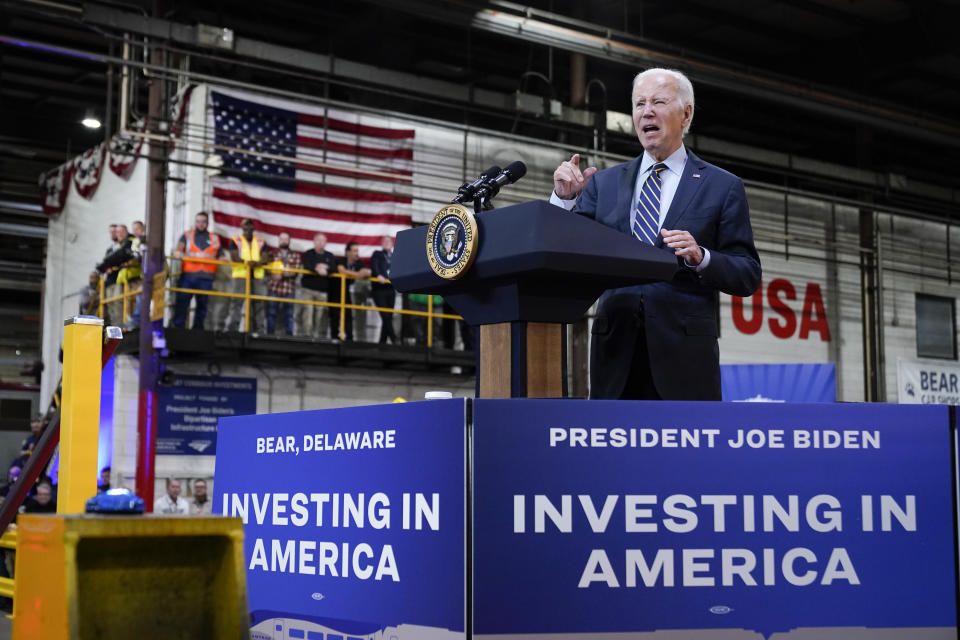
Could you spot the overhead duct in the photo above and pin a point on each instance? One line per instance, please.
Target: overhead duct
(320, 64)
(554, 30)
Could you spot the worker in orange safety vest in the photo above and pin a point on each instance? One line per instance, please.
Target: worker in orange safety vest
(197, 275)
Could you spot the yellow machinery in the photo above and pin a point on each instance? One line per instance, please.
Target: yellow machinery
(113, 577)
(129, 577)
(79, 412)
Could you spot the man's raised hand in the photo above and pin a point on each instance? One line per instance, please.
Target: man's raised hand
(569, 180)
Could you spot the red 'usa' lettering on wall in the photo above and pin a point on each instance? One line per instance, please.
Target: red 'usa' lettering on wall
(782, 319)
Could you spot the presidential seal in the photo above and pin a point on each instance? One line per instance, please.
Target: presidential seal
(451, 241)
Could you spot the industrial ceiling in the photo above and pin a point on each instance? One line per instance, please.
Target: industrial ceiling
(868, 85)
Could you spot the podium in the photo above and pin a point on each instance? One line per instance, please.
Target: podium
(500, 519)
(537, 267)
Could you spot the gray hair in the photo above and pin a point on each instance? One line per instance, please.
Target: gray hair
(683, 84)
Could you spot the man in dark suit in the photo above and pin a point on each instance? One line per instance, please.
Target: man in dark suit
(383, 292)
(659, 340)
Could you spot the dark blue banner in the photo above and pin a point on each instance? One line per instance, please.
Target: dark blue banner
(812, 382)
(598, 516)
(354, 519)
(189, 408)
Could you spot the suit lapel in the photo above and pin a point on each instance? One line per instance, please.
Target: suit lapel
(686, 189)
(628, 183)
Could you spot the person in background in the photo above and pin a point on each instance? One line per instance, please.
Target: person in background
(171, 502)
(139, 247)
(42, 501)
(384, 295)
(90, 295)
(282, 283)
(112, 266)
(248, 248)
(109, 275)
(196, 243)
(200, 504)
(124, 262)
(13, 473)
(315, 320)
(415, 326)
(30, 442)
(113, 241)
(220, 305)
(104, 484)
(448, 330)
(349, 265)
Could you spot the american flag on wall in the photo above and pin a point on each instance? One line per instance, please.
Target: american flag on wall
(304, 169)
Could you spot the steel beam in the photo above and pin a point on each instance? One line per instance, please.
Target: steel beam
(153, 263)
(410, 83)
(606, 44)
(23, 230)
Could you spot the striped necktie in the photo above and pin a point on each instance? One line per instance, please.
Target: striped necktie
(646, 226)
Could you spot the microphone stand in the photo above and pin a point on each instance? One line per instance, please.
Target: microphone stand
(485, 195)
(483, 203)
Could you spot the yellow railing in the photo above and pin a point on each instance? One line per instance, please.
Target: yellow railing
(8, 541)
(128, 296)
(247, 296)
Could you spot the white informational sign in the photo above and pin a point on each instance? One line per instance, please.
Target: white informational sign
(928, 382)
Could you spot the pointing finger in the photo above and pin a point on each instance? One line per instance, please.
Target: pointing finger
(577, 174)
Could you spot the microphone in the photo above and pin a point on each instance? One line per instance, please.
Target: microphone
(467, 190)
(513, 172)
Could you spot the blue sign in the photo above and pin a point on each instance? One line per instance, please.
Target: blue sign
(188, 410)
(354, 519)
(604, 516)
(815, 382)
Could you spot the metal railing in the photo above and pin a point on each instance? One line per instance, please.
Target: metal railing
(129, 294)
(8, 541)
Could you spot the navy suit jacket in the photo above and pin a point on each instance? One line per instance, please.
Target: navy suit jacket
(681, 316)
(380, 266)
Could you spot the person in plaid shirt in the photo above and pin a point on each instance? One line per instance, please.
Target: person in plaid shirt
(282, 283)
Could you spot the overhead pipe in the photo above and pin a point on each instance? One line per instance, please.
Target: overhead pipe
(202, 77)
(529, 24)
(124, 85)
(728, 76)
(555, 30)
(518, 22)
(599, 124)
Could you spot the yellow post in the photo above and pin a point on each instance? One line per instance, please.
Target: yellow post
(343, 309)
(246, 302)
(430, 320)
(126, 289)
(80, 412)
(158, 306)
(100, 291)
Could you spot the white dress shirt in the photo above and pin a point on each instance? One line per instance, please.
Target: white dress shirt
(670, 179)
(165, 504)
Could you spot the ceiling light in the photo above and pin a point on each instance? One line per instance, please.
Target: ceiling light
(90, 122)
